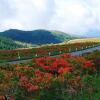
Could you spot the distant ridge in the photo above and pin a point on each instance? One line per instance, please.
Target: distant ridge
(93, 34)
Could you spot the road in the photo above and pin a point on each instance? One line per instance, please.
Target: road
(76, 53)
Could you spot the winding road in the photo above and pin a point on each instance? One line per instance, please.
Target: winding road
(76, 53)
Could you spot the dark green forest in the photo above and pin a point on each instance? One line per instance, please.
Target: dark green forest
(9, 44)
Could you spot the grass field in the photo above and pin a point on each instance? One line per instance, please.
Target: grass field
(97, 40)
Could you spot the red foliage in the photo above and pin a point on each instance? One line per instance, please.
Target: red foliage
(24, 82)
(88, 64)
(58, 65)
(2, 98)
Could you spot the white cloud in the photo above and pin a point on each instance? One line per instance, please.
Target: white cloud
(30, 14)
(73, 16)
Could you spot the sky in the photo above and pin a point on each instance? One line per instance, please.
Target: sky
(70, 16)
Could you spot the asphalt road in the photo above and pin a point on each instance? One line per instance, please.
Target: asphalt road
(76, 53)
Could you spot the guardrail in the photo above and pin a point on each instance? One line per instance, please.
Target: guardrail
(50, 54)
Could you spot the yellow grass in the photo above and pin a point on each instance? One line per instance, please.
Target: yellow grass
(97, 40)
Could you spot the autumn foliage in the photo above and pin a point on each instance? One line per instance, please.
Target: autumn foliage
(45, 78)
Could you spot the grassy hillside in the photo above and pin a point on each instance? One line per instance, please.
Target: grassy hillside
(63, 36)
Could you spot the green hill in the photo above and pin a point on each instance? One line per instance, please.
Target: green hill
(37, 37)
(63, 36)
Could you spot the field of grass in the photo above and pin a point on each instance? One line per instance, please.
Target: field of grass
(97, 40)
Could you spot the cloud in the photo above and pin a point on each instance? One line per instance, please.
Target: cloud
(25, 14)
(72, 16)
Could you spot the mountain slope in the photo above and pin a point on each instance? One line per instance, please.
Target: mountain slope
(9, 44)
(37, 36)
(63, 36)
(6, 43)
